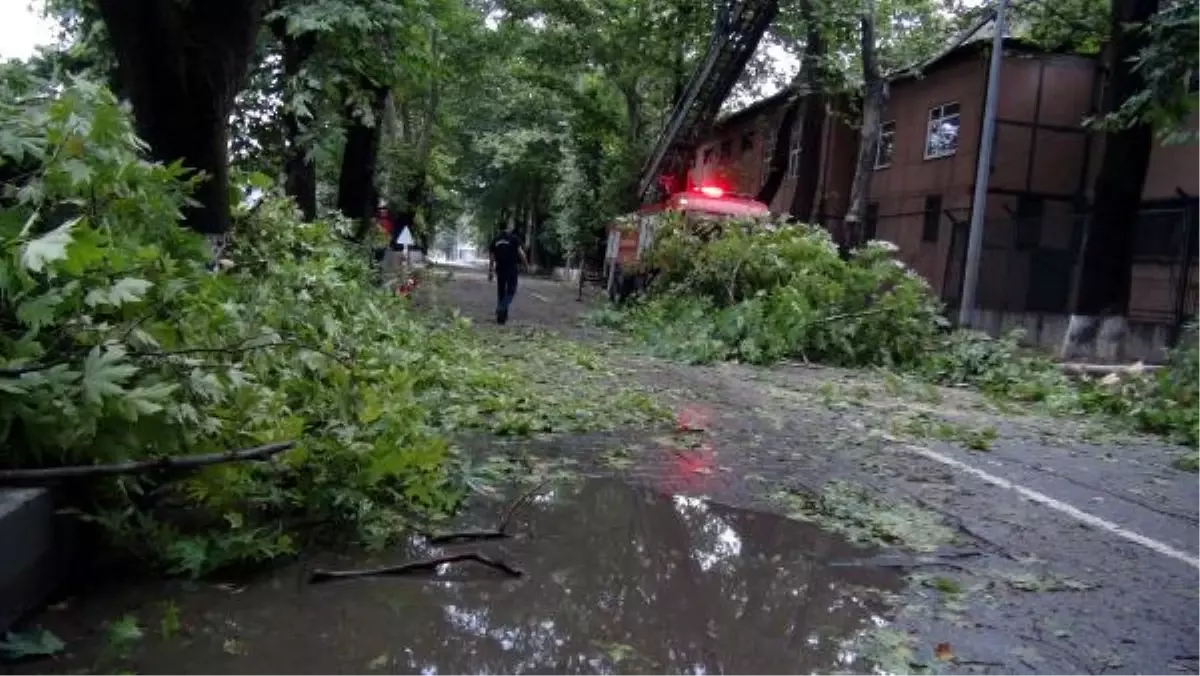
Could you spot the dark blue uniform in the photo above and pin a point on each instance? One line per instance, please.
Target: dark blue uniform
(506, 252)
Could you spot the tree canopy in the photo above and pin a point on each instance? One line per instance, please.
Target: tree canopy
(537, 112)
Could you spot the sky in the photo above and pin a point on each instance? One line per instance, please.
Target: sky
(22, 29)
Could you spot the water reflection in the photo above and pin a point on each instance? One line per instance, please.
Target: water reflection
(618, 581)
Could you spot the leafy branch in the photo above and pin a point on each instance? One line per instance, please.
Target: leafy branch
(17, 371)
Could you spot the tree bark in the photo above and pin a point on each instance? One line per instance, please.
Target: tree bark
(783, 142)
(812, 120)
(1100, 297)
(416, 196)
(357, 195)
(300, 171)
(182, 64)
(874, 89)
(1104, 273)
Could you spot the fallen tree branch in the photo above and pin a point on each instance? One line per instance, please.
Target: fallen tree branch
(850, 315)
(414, 567)
(48, 474)
(1078, 369)
(498, 533)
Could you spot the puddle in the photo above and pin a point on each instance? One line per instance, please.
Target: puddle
(617, 580)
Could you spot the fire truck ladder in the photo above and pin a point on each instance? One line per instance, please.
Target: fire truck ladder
(739, 27)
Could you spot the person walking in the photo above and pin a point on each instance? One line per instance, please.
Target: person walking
(505, 255)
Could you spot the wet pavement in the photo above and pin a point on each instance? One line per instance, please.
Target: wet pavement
(616, 580)
(1088, 534)
(1067, 549)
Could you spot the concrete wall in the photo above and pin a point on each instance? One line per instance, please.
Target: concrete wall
(1144, 342)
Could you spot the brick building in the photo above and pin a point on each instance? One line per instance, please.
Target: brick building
(1043, 169)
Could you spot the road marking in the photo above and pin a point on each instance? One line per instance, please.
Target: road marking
(539, 296)
(1073, 512)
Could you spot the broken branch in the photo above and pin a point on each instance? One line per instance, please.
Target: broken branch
(414, 567)
(498, 533)
(48, 474)
(1075, 369)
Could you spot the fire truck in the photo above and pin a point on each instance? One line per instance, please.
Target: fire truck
(630, 235)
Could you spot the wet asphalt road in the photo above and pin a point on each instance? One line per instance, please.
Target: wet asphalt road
(1072, 552)
(1090, 561)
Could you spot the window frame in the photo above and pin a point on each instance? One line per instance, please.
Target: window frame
(768, 152)
(886, 129)
(929, 120)
(794, 151)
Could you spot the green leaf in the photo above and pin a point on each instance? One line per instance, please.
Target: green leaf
(127, 290)
(79, 172)
(48, 248)
(104, 371)
(37, 643)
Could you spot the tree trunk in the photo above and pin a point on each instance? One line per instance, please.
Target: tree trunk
(182, 64)
(812, 120)
(532, 223)
(872, 111)
(357, 195)
(1101, 292)
(300, 171)
(779, 155)
(416, 196)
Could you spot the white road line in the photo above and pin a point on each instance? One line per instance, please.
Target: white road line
(1077, 514)
(539, 296)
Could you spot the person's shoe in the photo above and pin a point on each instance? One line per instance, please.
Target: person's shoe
(501, 316)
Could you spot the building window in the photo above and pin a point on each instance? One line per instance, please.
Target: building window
(933, 218)
(747, 141)
(767, 153)
(726, 149)
(887, 145)
(872, 222)
(941, 134)
(793, 167)
(1027, 231)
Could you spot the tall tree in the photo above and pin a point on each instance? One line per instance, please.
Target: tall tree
(181, 64)
(300, 171)
(874, 88)
(1100, 297)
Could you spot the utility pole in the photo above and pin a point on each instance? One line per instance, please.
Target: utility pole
(983, 170)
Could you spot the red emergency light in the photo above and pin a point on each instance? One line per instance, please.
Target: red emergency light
(712, 191)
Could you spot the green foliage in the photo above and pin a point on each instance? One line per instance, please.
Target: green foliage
(120, 344)
(1164, 401)
(761, 293)
(1169, 67)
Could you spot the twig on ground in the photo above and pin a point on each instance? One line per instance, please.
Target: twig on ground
(414, 567)
(498, 533)
(48, 474)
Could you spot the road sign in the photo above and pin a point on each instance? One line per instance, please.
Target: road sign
(405, 239)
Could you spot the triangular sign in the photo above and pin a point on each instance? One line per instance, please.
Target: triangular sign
(405, 238)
